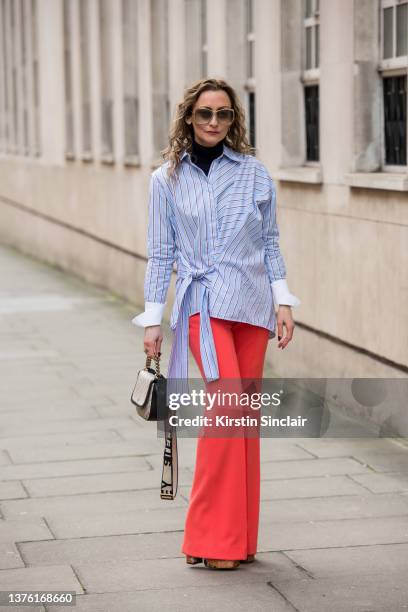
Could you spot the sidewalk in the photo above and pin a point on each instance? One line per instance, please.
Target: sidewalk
(80, 479)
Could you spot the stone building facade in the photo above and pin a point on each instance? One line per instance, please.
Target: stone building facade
(88, 90)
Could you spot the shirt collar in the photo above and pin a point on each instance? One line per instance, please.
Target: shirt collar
(234, 155)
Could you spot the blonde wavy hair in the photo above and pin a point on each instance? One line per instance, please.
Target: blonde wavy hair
(181, 133)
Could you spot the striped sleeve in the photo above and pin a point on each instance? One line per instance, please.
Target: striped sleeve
(265, 195)
(160, 244)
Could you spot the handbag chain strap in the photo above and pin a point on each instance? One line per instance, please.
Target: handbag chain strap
(156, 358)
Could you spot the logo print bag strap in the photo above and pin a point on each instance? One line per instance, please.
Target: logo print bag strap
(149, 395)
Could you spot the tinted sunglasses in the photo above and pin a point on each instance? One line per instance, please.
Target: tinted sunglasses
(204, 115)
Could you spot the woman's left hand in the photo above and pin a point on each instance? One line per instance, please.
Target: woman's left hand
(284, 318)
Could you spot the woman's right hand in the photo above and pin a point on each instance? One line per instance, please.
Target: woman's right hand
(152, 340)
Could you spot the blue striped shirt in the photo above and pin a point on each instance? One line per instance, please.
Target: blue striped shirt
(222, 233)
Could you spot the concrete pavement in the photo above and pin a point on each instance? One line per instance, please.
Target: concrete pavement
(80, 475)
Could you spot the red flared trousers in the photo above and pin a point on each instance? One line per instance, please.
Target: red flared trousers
(223, 513)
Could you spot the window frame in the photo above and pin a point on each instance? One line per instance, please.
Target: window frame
(159, 68)
(250, 81)
(130, 62)
(310, 76)
(203, 38)
(85, 69)
(107, 128)
(389, 67)
(312, 23)
(395, 61)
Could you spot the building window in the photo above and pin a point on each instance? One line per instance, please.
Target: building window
(84, 25)
(251, 117)
(25, 69)
(69, 115)
(3, 89)
(105, 29)
(35, 77)
(250, 71)
(130, 80)
(311, 24)
(18, 80)
(310, 78)
(394, 28)
(19, 77)
(394, 58)
(203, 38)
(196, 39)
(395, 120)
(312, 122)
(6, 89)
(13, 60)
(160, 74)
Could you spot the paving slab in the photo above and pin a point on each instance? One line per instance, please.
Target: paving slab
(9, 556)
(174, 573)
(60, 404)
(327, 534)
(100, 483)
(22, 531)
(152, 520)
(58, 439)
(347, 561)
(374, 593)
(79, 467)
(309, 487)
(330, 466)
(51, 578)
(26, 396)
(12, 490)
(392, 482)
(351, 447)
(243, 597)
(48, 413)
(87, 503)
(64, 426)
(303, 487)
(386, 462)
(4, 458)
(102, 450)
(115, 549)
(334, 508)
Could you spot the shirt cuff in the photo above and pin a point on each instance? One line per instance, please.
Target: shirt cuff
(282, 295)
(152, 314)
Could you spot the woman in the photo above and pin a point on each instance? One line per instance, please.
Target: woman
(212, 210)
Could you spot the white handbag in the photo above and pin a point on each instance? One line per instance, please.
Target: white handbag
(149, 395)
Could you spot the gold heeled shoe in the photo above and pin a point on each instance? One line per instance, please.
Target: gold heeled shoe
(218, 563)
(221, 563)
(249, 559)
(193, 560)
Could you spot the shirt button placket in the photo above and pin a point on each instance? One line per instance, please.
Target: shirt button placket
(212, 221)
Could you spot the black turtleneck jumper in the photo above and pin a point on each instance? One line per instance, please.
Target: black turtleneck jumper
(202, 156)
